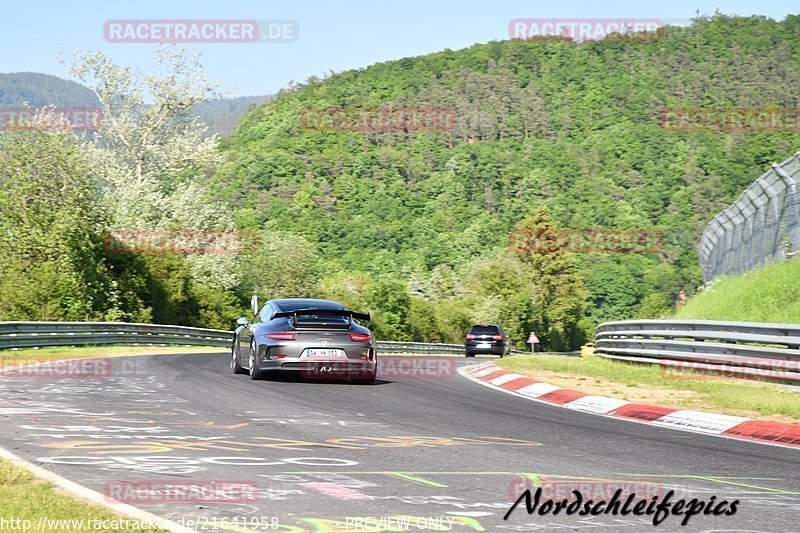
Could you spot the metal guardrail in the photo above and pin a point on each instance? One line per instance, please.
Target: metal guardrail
(751, 350)
(426, 348)
(33, 334)
(419, 347)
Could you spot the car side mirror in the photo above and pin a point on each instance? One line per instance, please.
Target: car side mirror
(242, 321)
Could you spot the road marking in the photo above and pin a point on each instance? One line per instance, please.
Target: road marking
(725, 482)
(534, 479)
(417, 479)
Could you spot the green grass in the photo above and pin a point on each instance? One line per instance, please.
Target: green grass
(763, 398)
(24, 497)
(769, 294)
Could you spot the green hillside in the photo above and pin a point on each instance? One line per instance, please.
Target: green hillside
(41, 90)
(768, 294)
(570, 127)
(430, 231)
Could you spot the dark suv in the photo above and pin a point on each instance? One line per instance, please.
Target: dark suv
(487, 338)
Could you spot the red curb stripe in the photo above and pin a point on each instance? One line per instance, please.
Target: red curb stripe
(495, 374)
(640, 411)
(562, 396)
(757, 430)
(767, 431)
(516, 384)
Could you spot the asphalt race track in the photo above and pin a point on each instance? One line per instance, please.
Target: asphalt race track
(423, 452)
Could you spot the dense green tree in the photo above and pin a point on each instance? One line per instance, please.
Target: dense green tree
(51, 256)
(559, 292)
(390, 300)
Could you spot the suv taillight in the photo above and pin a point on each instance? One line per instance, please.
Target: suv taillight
(470, 336)
(284, 336)
(497, 337)
(360, 337)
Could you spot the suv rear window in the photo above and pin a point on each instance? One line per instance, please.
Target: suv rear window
(484, 330)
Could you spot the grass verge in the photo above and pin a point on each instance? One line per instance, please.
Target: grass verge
(25, 499)
(647, 384)
(768, 294)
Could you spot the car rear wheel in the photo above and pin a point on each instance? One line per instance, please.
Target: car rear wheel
(235, 366)
(255, 371)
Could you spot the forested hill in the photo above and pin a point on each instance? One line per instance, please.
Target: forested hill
(574, 127)
(38, 90)
(41, 90)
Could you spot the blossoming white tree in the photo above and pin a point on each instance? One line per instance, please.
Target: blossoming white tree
(150, 150)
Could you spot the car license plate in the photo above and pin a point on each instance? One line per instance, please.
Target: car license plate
(323, 352)
(484, 345)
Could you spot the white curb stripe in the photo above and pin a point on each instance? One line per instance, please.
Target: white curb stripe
(485, 372)
(537, 389)
(699, 421)
(596, 404)
(505, 379)
(474, 369)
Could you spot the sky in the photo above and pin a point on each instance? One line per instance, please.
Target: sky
(333, 35)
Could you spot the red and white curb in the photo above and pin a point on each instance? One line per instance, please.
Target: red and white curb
(776, 433)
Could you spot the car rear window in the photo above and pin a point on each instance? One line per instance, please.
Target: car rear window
(308, 319)
(484, 330)
(328, 319)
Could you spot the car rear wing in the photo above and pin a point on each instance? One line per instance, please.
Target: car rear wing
(322, 312)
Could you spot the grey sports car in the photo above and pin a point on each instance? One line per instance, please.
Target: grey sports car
(317, 339)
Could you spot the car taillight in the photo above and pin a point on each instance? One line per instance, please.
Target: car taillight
(497, 337)
(360, 337)
(285, 336)
(470, 337)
